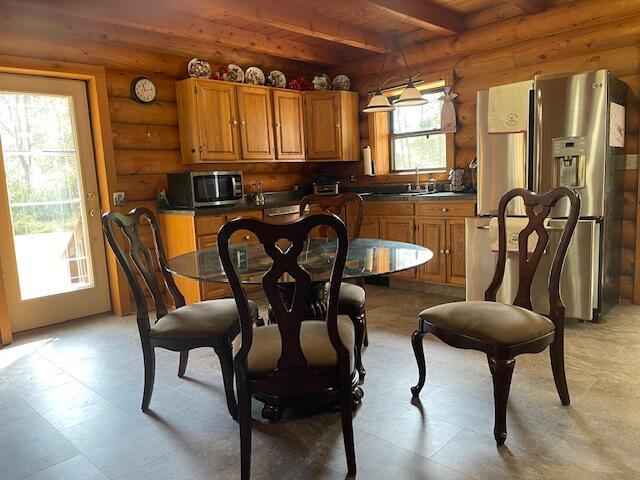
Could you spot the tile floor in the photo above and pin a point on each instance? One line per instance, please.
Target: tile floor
(70, 409)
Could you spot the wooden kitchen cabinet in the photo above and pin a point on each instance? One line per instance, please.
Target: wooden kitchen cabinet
(256, 124)
(455, 251)
(331, 125)
(289, 124)
(431, 234)
(436, 225)
(208, 120)
(400, 229)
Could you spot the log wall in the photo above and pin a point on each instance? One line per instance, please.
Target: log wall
(602, 37)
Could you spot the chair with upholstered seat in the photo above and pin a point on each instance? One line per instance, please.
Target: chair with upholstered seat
(351, 301)
(504, 331)
(212, 323)
(291, 359)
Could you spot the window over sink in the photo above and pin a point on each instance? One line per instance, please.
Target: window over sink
(415, 136)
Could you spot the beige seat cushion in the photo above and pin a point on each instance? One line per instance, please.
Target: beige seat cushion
(266, 346)
(350, 299)
(204, 319)
(491, 322)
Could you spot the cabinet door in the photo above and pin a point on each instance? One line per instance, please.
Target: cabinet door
(370, 227)
(431, 234)
(455, 253)
(323, 133)
(256, 127)
(400, 229)
(289, 124)
(217, 121)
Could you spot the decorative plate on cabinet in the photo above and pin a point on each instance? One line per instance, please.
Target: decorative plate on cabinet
(234, 74)
(199, 68)
(341, 82)
(277, 79)
(321, 82)
(254, 76)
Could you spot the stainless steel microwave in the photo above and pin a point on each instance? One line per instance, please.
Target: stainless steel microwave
(204, 189)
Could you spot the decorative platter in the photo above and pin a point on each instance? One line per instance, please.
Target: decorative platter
(199, 68)
(254, 76)
(234, 74)
(341, 82)
(277, 79)
(321, 82)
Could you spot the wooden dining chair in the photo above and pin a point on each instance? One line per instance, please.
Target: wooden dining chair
(291, 358)
(505, 331)
(212, 323)
(351, 301)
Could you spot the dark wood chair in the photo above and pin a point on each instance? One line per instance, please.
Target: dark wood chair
(351, 301)
(504, 331)
(212, 323)
(291, 358)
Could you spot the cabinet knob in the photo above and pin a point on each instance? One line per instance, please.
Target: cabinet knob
(445, 210)
(200, 148)
(441, 252)
(234, 122)
(242, 122)
(447, 251)
(248, 237)
(337, 125)
(278, 125)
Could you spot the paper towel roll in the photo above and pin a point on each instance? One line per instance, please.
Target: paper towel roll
(366, 158)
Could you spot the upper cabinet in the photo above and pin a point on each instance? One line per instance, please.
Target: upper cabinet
(222, 122)
(208, 120)
(331, 125)
(256, 125)
(289, 124)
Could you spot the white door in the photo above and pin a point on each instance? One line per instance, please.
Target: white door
(51, 244)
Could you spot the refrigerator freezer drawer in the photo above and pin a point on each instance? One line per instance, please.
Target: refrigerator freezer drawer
(579, 282)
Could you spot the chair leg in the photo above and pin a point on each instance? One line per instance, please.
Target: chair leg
(501, 371)
(359, 329)
(225, 356)
(244, 416)
(418, 351)
(556, 351)
(182, 367)
(149, 356)
(346, 412)
(366, 330)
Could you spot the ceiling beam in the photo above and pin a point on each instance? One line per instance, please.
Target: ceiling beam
(151, 17)
(529, 6)
(287, 16)
(422, 14)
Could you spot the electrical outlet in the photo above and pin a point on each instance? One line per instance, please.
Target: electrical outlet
(119, 199)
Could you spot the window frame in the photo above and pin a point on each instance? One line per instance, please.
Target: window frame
(422, 133)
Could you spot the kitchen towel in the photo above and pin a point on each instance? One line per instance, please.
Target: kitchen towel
(509, 107)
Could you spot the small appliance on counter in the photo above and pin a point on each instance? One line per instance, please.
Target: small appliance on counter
(326, 185)
(204, 189)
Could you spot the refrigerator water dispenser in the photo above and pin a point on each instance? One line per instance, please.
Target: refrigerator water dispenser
(570, 155)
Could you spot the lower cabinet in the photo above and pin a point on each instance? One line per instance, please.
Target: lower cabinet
(437, 225)
(185, 233)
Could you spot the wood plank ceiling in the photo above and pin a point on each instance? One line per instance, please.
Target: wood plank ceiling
(326, 33)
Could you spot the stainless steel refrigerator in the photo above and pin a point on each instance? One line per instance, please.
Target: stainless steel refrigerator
(571, 139)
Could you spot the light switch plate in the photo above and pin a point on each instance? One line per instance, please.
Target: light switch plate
(119, 199)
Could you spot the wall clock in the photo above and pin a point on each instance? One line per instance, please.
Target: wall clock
(143, 90)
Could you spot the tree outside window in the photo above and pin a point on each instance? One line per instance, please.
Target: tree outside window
(416, 138)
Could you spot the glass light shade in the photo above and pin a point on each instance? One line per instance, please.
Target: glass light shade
(378, 103)
(410, 97)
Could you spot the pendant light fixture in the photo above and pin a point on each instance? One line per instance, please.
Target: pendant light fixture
(409, 97)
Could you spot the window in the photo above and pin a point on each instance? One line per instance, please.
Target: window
(415, 136)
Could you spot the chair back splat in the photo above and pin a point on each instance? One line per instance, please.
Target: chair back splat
(538, 209)
(141, 256)
(292, 365)
(337, 205)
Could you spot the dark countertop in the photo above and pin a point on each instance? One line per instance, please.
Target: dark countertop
(281, 199)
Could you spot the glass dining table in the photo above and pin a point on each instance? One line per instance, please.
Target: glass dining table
(365, 258)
